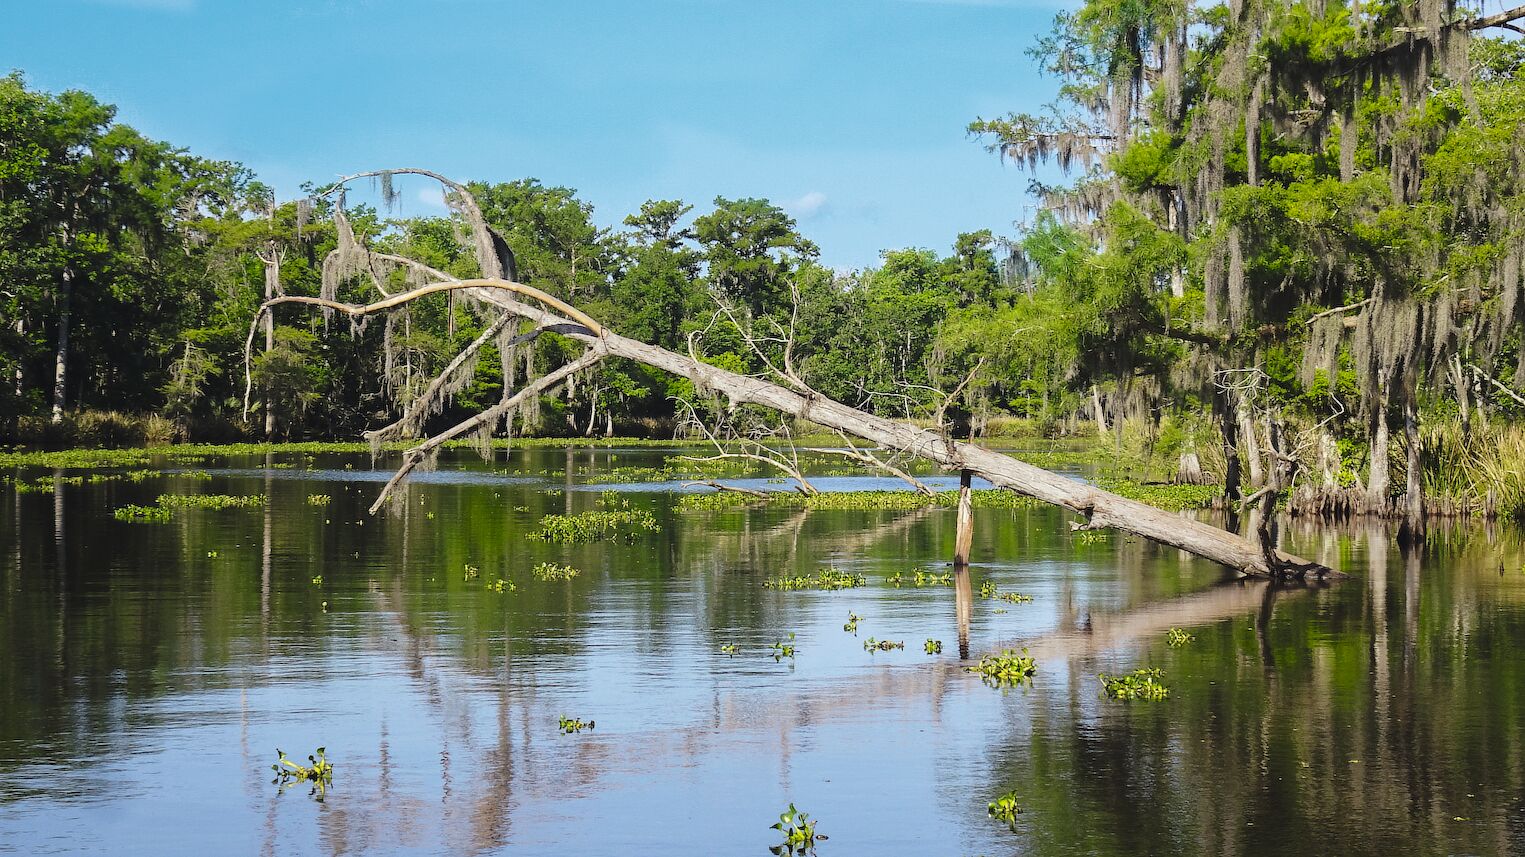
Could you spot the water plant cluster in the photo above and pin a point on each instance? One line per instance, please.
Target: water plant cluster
(800, 836)
(319, 499)
(851, 625)
(1143, 683)
(1178, 637)
(873, 645)
(828, 579)
(501, 585)
(1005, 809)
(596, 525)
(989, 591)
(783, 648)
(161, 511)
(318, 771)
(933, 647)
(1005, 668)
(553, 571)
(142, 514)
(569, 725)
(211, 501)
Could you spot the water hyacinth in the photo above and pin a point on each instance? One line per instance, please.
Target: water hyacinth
(1006, 668)
(569, 725)
(553, 571)
(1143, 683)
(828, 579)
(596, 525)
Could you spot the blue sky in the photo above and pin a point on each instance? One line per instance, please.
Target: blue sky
(849, 113)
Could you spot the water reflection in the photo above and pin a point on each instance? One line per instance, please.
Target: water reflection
(1380, 714)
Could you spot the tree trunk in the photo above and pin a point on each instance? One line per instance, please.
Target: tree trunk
(272, 287)
(1376, 476)
(1252, 455)
(1412, 530)
(1101, 415)
(964, 539)
(61, 353)
(1228, 425)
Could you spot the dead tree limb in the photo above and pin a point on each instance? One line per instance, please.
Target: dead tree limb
(1099, 508)
(418, 454)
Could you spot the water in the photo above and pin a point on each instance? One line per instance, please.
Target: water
(148, 672)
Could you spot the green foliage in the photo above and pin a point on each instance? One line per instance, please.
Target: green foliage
(142, 514)
(318, 771)
(851, 625)
(596, 525)
(933, 647)
(569, 725)
(553, 571)
(827, 579)
(799, 833)
(872, 645)
(1005, 809)
(319, 499)
(1143, 683)
(783, 648)
(1005, 668)
(1178, 637)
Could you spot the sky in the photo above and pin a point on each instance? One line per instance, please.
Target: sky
(850, 114)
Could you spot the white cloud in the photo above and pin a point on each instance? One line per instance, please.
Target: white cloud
(806, 206)
(433, 199)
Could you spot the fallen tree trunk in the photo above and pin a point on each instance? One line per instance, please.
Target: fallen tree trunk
(1100, 508)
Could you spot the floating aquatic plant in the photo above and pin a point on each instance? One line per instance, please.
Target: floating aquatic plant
(895, 579)
(210, 501)
(851, 626)
(1005, 668)
(142, 514)
(1178, 637)
(319, 499)
(799, 834)
(828, 579)
(1014, 597)
(317, 580)
(933, 647)
(569, 725)
(318, 771)
(471, 572)
(501, 586)
(596, 525)
(873, 645)
(782, 649)
(552, 571)
(730, 649)
(1143, 683)
(927, 578)
(1005, 809)
(988, 589)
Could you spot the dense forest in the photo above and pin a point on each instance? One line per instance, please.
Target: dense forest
(1287, 258)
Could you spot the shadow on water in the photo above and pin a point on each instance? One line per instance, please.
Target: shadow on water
(1382, 714)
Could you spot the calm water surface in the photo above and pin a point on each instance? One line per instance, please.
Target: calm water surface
(148, 672)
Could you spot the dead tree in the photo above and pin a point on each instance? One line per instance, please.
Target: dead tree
(547, 313)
